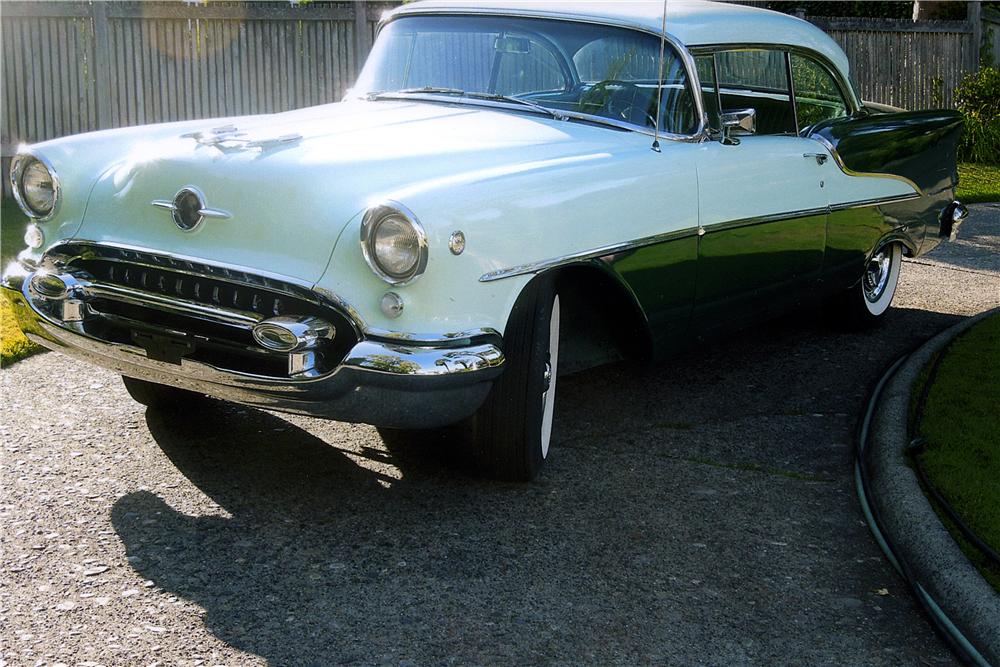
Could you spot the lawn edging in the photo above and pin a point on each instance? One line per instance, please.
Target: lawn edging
(963, 604)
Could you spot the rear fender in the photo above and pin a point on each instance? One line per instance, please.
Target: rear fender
(917, 146)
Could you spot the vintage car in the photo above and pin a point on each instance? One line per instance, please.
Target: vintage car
(510, 191)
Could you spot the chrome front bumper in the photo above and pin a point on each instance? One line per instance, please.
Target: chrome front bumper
(405, 384)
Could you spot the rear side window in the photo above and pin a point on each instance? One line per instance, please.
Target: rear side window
(817, 95)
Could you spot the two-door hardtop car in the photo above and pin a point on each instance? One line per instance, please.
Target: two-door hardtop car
(509, 191)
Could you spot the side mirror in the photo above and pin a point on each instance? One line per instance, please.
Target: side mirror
(738, 122)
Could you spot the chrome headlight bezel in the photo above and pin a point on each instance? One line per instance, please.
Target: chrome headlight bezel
(374, 217)
(18, 166)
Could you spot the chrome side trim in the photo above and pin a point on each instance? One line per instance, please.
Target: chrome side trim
(878, 201)
(541, 265)
(840, 163)
(535, 267)
(694, 83)
(763, 219)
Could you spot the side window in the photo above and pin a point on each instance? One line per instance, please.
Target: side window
(757, 79)
(705, 66)
(817, 95)
(620, 79)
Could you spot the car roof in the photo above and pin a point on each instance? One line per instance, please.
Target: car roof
(690, 22)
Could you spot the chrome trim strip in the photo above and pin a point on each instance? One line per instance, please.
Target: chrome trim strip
(24, 153)
(236, 318)
(762, 219)
(535, 267)
(842, 81)
(386, 358)
(840, 163)
(694, 84)
(431, 338)
(878, 201)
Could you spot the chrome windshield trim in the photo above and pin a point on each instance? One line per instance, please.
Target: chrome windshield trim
(496, 104)
(693, 82)
(541, 265)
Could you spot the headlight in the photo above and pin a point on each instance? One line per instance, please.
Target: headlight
(394, 243)
(35, 186)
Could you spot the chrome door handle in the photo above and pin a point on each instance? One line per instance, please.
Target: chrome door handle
(820, 158)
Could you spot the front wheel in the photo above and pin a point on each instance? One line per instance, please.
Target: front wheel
(512, 431)
(867, 302)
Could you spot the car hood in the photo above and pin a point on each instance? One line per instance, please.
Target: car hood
(289, 183)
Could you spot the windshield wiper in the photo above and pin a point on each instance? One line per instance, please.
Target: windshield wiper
(457, 92)
(497, 97)
(429, 90)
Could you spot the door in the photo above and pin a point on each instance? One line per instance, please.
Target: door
(763, 205)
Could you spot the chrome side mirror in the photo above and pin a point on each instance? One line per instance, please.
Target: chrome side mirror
(738, 122)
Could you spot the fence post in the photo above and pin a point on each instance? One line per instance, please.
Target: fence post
(361, 37)
(976, 19)
(102, 64)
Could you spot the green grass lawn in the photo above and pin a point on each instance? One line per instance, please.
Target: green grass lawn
(13, 344)
(961, 425)
(978, 183)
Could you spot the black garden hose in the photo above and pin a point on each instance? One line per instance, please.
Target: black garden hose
(917, 447)
(952, 636)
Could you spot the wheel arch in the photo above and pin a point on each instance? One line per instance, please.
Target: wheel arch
(602, 318)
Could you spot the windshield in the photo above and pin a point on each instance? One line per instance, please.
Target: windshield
(573, 67)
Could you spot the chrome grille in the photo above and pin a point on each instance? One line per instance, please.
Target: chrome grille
(131, 295)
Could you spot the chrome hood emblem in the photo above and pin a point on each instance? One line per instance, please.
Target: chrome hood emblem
(188, 208)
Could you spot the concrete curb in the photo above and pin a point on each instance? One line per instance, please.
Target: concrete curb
(910, 524)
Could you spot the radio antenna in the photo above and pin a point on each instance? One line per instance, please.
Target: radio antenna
(659, 80)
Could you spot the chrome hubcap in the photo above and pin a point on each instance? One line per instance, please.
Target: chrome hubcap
(877, 275)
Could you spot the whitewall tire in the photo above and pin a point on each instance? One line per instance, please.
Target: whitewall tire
(512, 431)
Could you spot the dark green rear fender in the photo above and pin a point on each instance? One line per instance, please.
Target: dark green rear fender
(918, 146)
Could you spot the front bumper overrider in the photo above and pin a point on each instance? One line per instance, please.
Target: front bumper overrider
(402, 382)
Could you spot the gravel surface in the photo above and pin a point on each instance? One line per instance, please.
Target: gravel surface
(702, 512)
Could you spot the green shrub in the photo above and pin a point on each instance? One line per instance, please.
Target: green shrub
(978, 98)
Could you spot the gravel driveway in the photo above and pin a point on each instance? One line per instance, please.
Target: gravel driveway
(701, 513)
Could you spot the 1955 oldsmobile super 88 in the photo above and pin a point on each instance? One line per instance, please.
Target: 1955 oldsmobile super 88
(509, 191)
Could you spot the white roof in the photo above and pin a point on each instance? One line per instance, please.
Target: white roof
(691, 22)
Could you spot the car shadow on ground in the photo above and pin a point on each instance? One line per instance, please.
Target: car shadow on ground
(644, 527)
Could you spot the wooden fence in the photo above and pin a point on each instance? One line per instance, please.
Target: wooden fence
(71, 67)
(906, 64)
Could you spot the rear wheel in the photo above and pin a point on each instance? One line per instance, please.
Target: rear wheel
(159, 396)
(512, 431)
(867, 302)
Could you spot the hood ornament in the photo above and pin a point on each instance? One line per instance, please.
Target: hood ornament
(229, 137)
(188, 208)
